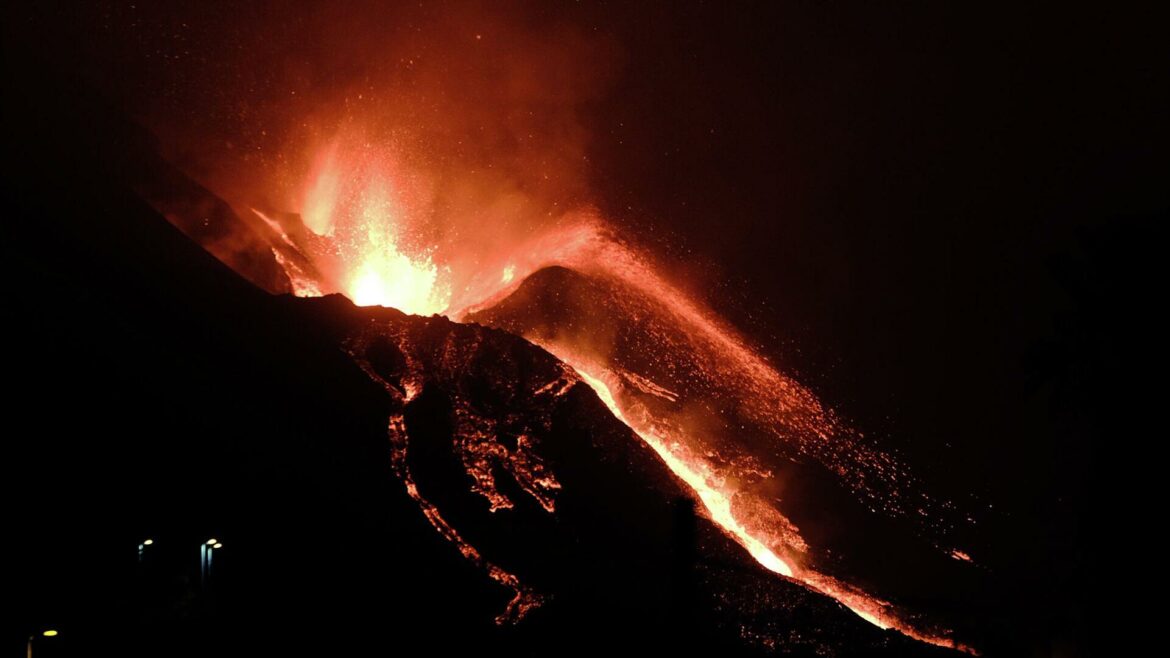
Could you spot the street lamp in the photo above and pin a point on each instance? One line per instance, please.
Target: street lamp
(142, 547)
(205, 552)
(48, 632)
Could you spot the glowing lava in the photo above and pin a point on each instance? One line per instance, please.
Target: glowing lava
(706, 486)
(716, 496)
(359, 209)
(386, 277)
(476, 441)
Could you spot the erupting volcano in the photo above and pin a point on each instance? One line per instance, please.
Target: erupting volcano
(538, 330)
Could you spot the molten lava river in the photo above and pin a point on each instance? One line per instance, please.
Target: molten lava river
(725, 421)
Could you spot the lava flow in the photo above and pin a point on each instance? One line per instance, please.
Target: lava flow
(713, 496)
(716, 496)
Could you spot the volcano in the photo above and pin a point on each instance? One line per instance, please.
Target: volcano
(382, 476)
(538, 330)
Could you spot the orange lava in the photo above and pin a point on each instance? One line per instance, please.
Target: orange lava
(523, 598)
(711, 491)
(358, 211)
(480, 451)
(716, 495)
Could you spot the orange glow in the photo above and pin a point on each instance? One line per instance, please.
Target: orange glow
(716, 496)
(386, 277)
(480, 452)
(716, 499)
(359, 212)
(523, 599)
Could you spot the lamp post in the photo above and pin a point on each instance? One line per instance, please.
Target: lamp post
(142, 548)
(206, 552)
(50, 632)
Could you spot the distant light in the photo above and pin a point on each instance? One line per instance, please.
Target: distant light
(218, 545)
(50, 633)
(212, 542)
(148, 542)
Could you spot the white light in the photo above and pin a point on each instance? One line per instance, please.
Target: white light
(218, 545)
(148, 542)
(212, 542)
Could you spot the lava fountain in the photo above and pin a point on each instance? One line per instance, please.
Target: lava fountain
(357, 212)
